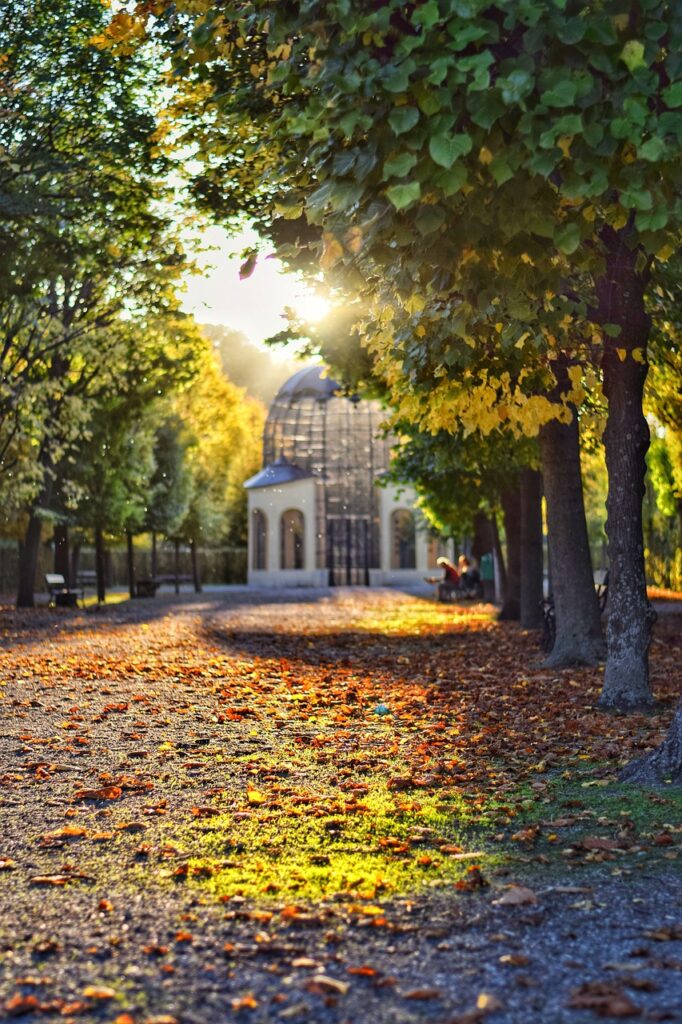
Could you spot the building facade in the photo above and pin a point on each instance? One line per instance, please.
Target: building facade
(318, 513)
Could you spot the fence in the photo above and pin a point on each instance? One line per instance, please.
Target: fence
(216, 565)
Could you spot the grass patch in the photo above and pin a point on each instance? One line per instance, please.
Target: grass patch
(378, 845)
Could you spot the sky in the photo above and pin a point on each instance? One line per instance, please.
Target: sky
(254, 306)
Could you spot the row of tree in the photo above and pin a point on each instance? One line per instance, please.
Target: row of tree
(498, 187)
(114, 414)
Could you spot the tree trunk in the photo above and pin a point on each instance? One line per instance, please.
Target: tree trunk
(663, 764)
(482, 542)
(100, 565)
(579, 639)
(620, 295)
(195, 566)
(511, 600)
(130, 557)
(499, 557)
(75, 559)
(62, 564)
(28, 561)
(176, 565)
(532, 561)
(154, 559)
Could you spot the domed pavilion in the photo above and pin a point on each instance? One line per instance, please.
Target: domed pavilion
(317, 515)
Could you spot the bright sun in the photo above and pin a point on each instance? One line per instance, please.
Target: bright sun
(310, 307)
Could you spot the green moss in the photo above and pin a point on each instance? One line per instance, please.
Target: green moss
(384, 844)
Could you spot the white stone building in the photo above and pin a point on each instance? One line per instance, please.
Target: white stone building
(318, 515)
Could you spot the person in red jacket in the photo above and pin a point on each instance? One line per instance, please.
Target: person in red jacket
(450, 582)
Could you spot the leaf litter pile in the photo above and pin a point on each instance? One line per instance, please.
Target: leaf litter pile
(364, 807)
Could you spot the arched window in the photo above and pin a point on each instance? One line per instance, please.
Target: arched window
(292, 526)
(403, 554)
(259, 534)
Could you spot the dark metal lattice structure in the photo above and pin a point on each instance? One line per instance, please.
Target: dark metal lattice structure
(336, 437)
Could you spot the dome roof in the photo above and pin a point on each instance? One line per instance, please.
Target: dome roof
(308, 383)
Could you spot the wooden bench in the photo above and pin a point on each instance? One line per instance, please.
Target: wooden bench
(60, 594)
(148, 585)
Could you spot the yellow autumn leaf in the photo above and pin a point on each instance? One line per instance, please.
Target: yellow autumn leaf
(485, 156)
(332, 251)
(564, 144)
(639, 356)
(420, 331)
(254, 796)
(622, 354)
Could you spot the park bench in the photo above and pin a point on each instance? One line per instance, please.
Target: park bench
(61, 595)
(148, 585)
(601, 586)
(86, 578)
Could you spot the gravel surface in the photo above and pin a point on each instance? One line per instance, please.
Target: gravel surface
(104, 924)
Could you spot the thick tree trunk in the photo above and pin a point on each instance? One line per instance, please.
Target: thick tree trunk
(130, 558)
(100, 565)
(620, 296)
(195, 566)
(511, 599)
(663, 764)
(28, 562)
(532, 562)
(62, 564)
(579, 639)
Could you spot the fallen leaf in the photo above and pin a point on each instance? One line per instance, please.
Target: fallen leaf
(516, 895)
(322, 984)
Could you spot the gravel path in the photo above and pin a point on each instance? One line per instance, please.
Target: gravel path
(101, 918)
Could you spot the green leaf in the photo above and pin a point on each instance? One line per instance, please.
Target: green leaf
(515, 86)
(397, 79)
(652, 150)
(500, 170)
(401, 119)
(568, 239)
(400, 165)
(427, 15)
(445, 149)
(639, 198)
(451, 181)
(485, 108)
(429, 219)
(404, 195)
(572, 30)
(672, 96)
(632, 55)
(562, 94)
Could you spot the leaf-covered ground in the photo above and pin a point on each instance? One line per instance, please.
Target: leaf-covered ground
(351, 806)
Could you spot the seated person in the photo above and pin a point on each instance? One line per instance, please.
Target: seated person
(451, 580)
(469, 575)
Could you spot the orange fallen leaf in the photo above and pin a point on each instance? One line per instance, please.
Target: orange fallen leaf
(101, 993)
(105, 793)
